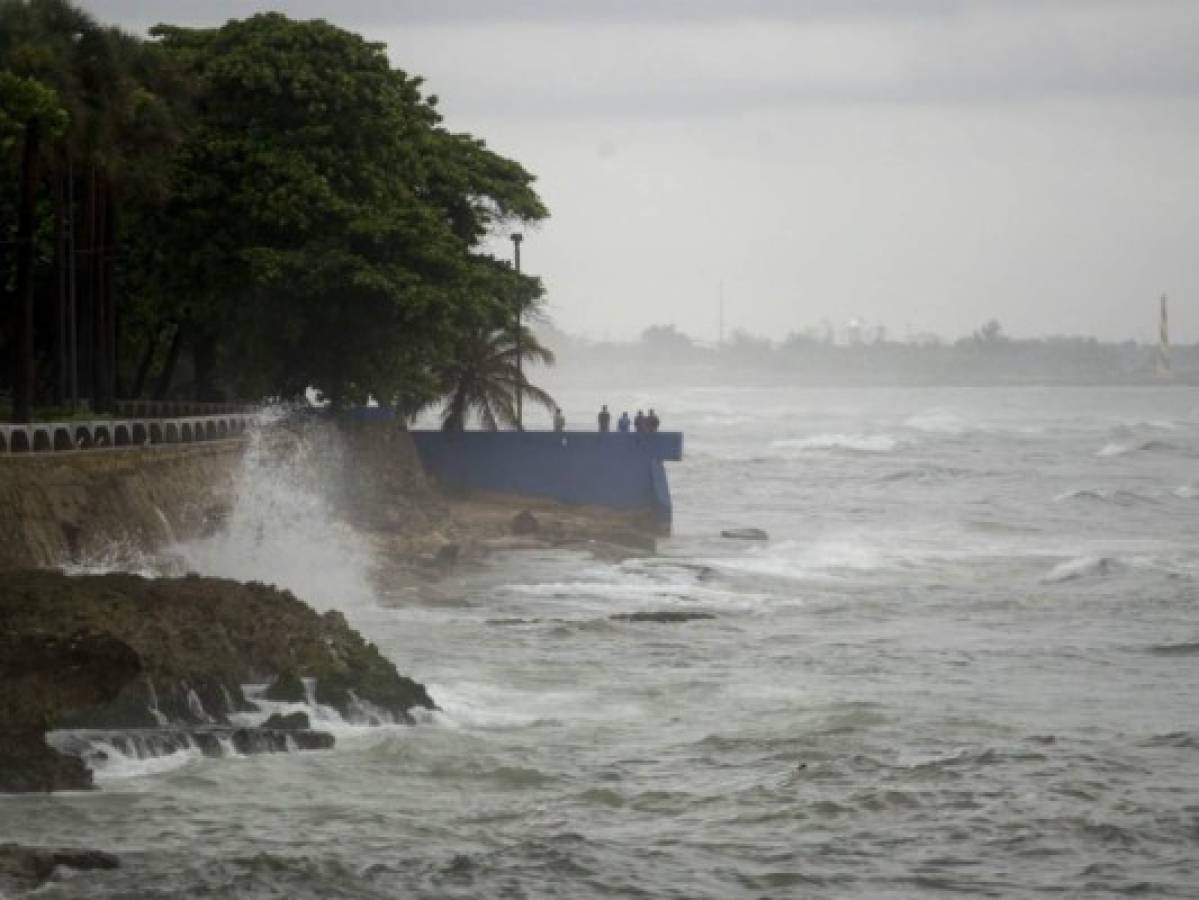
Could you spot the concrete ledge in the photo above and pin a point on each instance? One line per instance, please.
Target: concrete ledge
(614, 470)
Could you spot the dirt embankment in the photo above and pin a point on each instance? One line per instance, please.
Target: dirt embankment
(62, 507)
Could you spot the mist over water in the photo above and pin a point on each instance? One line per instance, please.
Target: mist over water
(965, 660)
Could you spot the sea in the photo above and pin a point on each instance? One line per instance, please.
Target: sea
(965, 662)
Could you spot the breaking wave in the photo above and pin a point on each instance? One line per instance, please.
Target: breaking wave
(938, 421)
(1119, 497)
(1082, 567)
(1124, 448)
(856, 443)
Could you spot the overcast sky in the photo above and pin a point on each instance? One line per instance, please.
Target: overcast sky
(919, 164)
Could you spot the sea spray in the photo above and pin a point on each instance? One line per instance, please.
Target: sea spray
(282, 529)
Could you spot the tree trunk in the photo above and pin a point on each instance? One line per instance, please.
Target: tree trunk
(72, 266)
(204, 356)
(107, 263)
(24, 375)
(147, 360)
(168, 369)
(99, 318)
(60, 308)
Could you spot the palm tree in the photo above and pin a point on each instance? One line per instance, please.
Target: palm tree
(485, 376)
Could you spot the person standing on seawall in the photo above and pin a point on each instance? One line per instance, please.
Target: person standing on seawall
(559, 419)
(604, 418)
(652, 421)
(639, 422)
(623, 423)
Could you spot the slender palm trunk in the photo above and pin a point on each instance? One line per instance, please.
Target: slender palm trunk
(24, 375)
(163, 387)
(61, 256)
(96, 277)
(147, 360)
(111, 320)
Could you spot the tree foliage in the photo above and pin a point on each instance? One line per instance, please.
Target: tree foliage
(485, 376)
(269, 204)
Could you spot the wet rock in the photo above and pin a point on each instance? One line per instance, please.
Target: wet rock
(446, 555)
(297, 721)
(524, 522)
(513, 542)
(665, 616)
(27, 867)
(41, 677)
(266, 740)
(286, 688)
(151, 653)
(745, 534)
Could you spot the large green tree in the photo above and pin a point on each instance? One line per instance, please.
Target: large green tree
(252, 210)
(326, 226)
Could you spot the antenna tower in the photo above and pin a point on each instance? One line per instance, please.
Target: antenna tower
(1163, 344)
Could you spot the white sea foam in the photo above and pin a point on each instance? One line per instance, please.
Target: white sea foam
(861, 443)
(1082, 567)
(938, 421)
(1123, 448)
(1119, 497)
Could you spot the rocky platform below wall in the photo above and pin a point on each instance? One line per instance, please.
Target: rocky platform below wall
(166, 660)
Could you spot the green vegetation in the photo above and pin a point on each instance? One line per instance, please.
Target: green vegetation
(245, 211)
(485, 376)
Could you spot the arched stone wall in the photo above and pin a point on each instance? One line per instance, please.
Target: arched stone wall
(45, 437)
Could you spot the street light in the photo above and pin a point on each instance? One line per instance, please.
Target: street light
(520, 426)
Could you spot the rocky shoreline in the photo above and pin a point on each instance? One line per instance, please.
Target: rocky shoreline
(169, 658)
(155, 664)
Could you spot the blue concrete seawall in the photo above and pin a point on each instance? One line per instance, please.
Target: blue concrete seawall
(621, 471)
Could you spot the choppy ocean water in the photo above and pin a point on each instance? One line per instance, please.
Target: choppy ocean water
(966, 661)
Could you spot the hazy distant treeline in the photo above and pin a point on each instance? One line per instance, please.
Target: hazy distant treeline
(985, 357)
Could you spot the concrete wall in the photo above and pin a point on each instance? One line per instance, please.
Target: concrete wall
(62, 507)
(621, 471)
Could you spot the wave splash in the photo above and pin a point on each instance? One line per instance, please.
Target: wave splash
(282, 529)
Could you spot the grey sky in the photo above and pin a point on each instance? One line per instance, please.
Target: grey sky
(922, 164)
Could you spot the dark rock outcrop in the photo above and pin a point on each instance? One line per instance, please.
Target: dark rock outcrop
(662, 616)
(286, 688)
(297, 721)
(524, 522)
(27, 867)
(170, 653)
(745, 534)
(41, 677)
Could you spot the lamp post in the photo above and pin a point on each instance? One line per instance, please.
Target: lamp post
(520, 424)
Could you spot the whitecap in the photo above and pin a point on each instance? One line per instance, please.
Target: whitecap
(1081, 567)
(861, 443)
(938, 421)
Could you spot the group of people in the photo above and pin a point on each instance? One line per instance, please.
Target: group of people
(641, 423)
